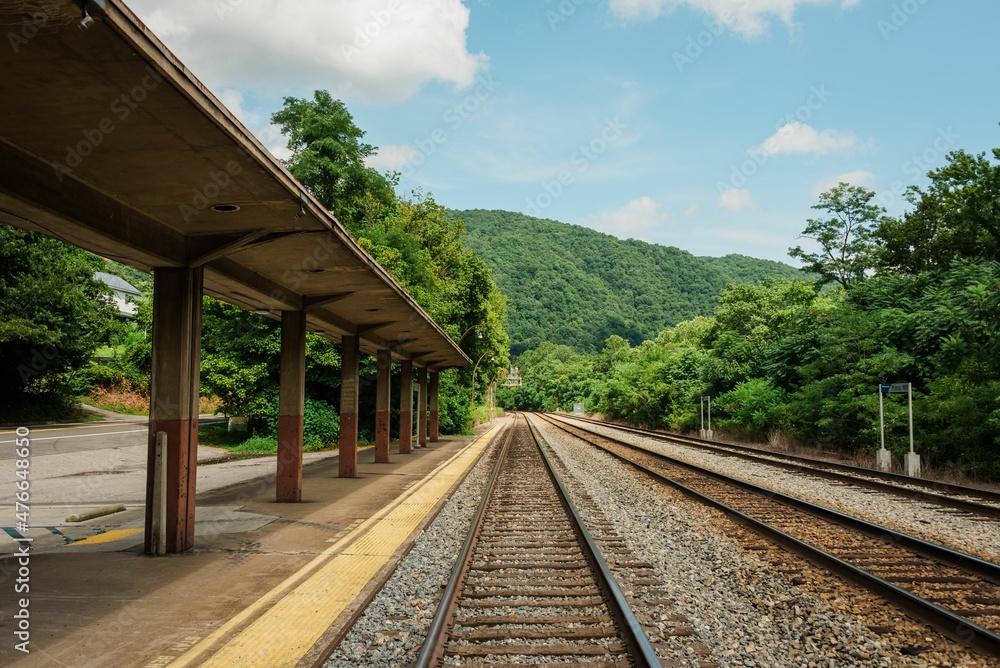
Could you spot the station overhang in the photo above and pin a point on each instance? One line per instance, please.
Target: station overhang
(108, 142)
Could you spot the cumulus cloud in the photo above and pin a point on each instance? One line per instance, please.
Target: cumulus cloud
(858, 177)
(382, 50)
(391, 157)
(633, 220)
(750, 18)
(796, 137)
(691, 211)
(735, 200)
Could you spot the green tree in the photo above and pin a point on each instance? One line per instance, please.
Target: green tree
(53, 316)
(846, 248)
(956, 216)
(328, 157)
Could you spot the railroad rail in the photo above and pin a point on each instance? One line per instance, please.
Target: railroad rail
(966, 499)
(942, 587)
(530, 580)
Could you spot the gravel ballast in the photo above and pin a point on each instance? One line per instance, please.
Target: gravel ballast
(980, 538)
(740, 607)
(392, 628)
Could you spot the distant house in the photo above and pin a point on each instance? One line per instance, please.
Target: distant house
(124, 293)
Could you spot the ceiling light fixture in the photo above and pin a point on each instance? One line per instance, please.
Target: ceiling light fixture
(225, 208)
(86, 20)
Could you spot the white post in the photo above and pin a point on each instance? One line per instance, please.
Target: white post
(909, 398)
(159, 528)
(708, 432)
(702, 404)
(912, 459)
(883, 458)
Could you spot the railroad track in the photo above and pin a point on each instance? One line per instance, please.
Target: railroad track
(956, 593)
(966, 500)
(530, 581)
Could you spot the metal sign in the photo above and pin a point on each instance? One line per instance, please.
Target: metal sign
(577, 409)
(894, 388)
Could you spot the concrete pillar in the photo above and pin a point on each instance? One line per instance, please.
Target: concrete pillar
(405, 407)
(432, 396)
(349, 381)
(883, 459)
(291, 406)
(422, 406)
(382, 399)
(173, 407)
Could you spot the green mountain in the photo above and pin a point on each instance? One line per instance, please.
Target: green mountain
(572, 285)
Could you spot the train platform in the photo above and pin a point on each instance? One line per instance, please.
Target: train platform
(267, 584)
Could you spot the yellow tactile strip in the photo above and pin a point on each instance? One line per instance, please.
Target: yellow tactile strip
(106, 537)
(294, 622)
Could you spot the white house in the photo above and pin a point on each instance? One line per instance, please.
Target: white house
(124, 293)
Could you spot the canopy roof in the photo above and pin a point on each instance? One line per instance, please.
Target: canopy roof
(108, 142)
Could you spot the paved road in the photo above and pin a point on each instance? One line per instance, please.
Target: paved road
(57, 440)
(75, 468)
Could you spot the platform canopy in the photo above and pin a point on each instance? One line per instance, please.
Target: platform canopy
(108, 142)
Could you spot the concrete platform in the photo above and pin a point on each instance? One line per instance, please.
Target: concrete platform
(103, 603)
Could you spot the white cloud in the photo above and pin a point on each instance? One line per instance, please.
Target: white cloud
(796, 137)
(391, 156)
(735, 200)
(691, 211)
(750, 18)
(383, 50)
(633, 220)
(858, 177)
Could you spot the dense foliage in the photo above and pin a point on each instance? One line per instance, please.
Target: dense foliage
(53, 315)
(905, 300)
(575, 286)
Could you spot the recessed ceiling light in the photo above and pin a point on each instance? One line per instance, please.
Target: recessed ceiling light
(315, 271)
(225, 208)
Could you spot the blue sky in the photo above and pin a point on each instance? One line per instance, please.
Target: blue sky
(710, 125)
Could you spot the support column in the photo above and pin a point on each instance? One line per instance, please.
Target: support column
(291, 406)
(382, 399)
(422, 406)
(405, 407)
(432, 396)
(173, 409)
(349, 381)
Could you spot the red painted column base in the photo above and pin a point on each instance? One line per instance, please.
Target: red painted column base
(405, 433)
(349, 445)
(382, 437)
(182, 463)
(288, 488)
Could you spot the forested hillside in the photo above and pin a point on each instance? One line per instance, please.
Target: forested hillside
(913, 299)
(575, 286)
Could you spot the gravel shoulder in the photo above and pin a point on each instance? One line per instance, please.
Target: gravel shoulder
(974, 536)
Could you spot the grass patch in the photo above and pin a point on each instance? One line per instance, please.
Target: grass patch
(238, 443)
(255, 445)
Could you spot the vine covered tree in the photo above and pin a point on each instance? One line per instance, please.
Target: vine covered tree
(53, 316)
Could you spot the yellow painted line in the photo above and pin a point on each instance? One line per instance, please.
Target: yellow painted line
(107, 537)
(296, 620)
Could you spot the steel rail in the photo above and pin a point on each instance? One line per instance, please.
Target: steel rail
(432, 651)
(834, 471)
(948, 623)
(634, 636)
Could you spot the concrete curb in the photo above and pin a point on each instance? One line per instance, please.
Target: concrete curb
(100, 512)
